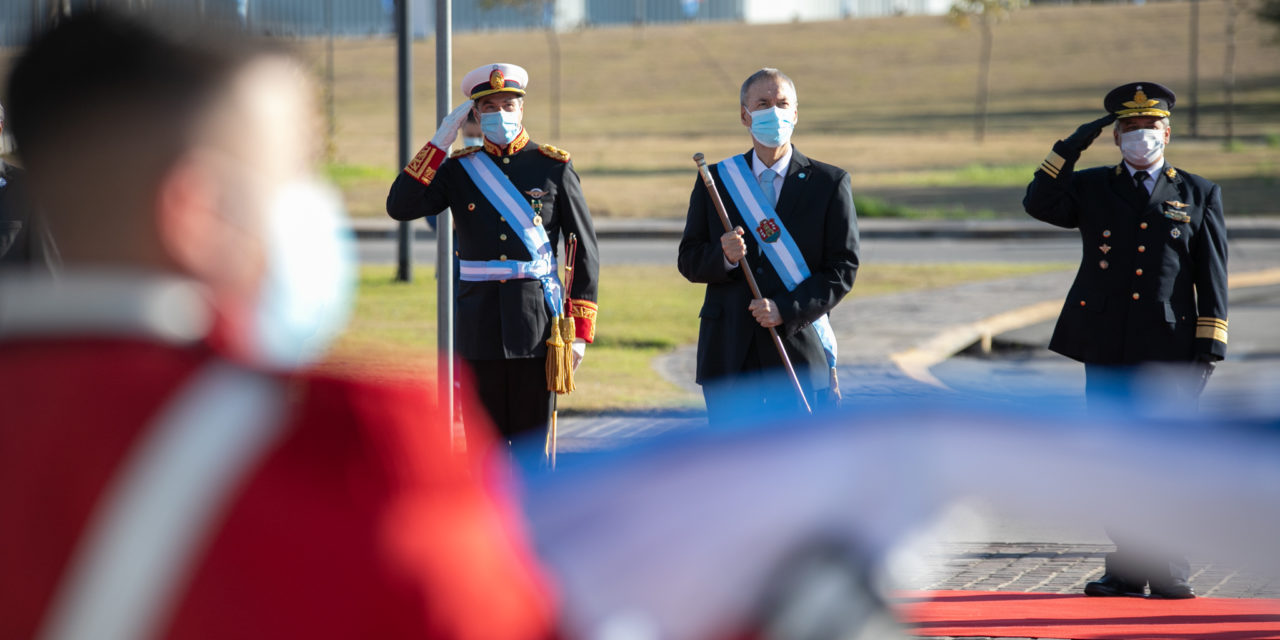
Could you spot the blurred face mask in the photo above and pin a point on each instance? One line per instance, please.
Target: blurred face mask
(772, 127)
(501, 127)
(310, 276)
(1142, 146)
(473, 141)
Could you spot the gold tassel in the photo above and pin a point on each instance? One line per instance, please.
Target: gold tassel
(567, 336)
(555, 359)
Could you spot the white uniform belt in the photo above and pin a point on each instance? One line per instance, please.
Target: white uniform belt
(485, 270)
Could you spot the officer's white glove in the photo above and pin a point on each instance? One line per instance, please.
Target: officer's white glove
(579, 351)
(448, 131)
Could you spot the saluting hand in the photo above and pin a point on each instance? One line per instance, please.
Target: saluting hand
(1085, 135)
(733, 245)
(765, 312)
(449, 126)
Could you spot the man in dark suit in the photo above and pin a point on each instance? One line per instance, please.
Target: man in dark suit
(1152, 283)
(802, 244)
(512, 202)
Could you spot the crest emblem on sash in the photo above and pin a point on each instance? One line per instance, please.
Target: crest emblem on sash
(768, 230)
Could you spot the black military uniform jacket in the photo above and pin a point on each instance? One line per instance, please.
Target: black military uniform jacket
(25, 241)
(1152, 283)
(816, 206)
(508, 319)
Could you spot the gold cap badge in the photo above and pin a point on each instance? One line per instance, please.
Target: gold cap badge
(496, 79)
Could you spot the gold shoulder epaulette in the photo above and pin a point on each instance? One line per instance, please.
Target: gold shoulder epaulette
(554, 152)
(466, 151)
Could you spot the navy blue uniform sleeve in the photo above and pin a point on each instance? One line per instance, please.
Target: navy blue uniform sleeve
(1049, 196)
(409, 199)
(1211, 280)
(576, 218)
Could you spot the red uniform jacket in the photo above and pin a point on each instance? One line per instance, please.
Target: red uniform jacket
(356, 521)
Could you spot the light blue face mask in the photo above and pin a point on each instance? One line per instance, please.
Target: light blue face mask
(310, 276)
(772, 127)
(501, 127)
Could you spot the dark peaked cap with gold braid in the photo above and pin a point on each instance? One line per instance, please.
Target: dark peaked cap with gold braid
(1140, 99)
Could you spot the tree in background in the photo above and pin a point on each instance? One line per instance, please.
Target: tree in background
(987, 13)
(548, 10)
(1269, 10)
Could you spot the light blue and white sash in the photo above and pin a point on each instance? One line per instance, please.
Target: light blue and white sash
(511, 204)
(772, 237)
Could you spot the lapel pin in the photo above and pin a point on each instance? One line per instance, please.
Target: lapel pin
(801, 175)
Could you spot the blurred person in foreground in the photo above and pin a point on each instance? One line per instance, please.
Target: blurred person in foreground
(167, 467)
(512, 201)
(25, 242)
(802, 244)
(1151, 288)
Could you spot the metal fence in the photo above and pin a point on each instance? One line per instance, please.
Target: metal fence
(355, 18)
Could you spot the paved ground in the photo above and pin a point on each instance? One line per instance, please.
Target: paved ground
(1004, 554)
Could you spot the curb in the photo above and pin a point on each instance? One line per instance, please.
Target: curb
(916, 361)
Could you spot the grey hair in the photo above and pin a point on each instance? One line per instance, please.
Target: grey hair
(767, 72)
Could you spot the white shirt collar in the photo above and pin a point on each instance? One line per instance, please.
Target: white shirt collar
(1153, 170)
(779, 167)
(156, 306)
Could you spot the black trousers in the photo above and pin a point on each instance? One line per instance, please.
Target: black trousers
(761, 387)
(514, 393)
(1104, 384)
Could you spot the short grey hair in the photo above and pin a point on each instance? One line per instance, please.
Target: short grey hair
(767, 72)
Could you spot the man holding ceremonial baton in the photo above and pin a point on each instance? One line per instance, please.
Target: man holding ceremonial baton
(797, 229)
(511, 200)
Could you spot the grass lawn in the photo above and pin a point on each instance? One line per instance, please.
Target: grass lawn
(645, 311)
(889, 99)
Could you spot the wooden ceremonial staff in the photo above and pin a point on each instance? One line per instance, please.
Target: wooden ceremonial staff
(570, 254)
(710, 183)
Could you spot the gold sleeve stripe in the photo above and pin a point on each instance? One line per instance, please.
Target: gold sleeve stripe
(1211, 322)
(1054, 160)
(1212, 333)
(1050, 171)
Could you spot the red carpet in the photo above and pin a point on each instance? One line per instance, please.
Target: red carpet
(1049, 615)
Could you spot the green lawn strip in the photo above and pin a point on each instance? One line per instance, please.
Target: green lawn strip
(645, 311)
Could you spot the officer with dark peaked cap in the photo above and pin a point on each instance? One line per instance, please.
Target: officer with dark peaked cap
(504, 196)
(1152, 282)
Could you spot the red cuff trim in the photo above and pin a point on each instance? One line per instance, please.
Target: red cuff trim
(423, 166)
(583, 313)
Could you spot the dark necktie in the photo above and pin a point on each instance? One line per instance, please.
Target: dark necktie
(1140, 180)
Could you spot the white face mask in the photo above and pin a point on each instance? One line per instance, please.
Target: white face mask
(1142, 146)
(310, 276)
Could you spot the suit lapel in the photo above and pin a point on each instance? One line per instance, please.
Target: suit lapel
(1122, 184)
(793, 190)
(1166, 188)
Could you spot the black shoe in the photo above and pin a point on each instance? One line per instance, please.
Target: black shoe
(1176, 590)
(1110, 586)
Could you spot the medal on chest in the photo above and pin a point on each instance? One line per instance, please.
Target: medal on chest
(535, 200)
